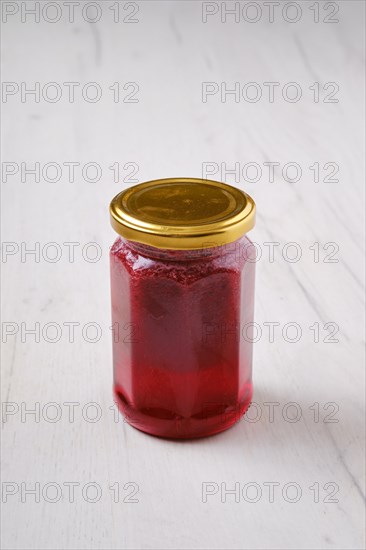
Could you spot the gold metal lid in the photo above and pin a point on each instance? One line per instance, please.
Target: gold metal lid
(182, 213)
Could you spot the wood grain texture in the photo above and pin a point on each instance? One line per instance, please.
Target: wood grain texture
(170, 131)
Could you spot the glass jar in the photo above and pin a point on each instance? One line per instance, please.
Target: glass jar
(182, 281)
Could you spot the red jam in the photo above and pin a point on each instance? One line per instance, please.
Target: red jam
(182, 348)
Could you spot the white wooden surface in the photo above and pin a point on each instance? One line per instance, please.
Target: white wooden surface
(171, 132)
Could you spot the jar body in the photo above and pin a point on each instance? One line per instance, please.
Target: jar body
(182, 346)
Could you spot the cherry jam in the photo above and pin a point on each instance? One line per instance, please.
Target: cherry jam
(182, 349)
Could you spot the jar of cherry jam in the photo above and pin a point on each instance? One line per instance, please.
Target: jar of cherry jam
(182, 281)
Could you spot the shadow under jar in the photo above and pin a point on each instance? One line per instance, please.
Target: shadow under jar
(182, 281)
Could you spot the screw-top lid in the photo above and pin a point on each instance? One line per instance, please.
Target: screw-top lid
(182, 213)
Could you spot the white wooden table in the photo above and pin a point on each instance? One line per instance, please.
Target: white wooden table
(295, 463)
